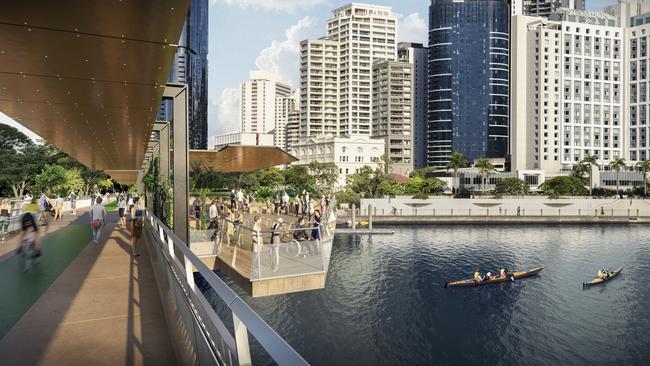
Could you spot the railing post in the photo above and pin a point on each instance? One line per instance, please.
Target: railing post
(354, 216)
(241, 341)
(370, 214)
(612, 214)
(170, 247)
(189, 273)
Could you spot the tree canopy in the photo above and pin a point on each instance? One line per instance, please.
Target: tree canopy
(563, 185)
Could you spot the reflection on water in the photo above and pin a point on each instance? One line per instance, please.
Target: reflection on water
(384, 302)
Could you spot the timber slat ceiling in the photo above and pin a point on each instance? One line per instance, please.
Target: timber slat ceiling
(240, 159)
(88, 75)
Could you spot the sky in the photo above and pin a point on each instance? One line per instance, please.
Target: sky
(247, 35)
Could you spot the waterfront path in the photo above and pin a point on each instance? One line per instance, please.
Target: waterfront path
(84, 304)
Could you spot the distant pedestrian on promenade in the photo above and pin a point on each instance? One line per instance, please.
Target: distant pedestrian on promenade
(257, 244)
(30, 241)
(5, 214)
(232, 199)
(240, 199)
(136, 230)
(58, 207)
(44, 208)
(274, 252)
(315, 232)
(296, 203)
(129, 204)
(97, 219)
(72, 197)
(121, 210)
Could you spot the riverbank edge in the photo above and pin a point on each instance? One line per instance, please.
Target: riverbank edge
(468, 220)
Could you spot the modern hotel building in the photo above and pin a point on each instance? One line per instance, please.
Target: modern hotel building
(468, 79)
(568, 90)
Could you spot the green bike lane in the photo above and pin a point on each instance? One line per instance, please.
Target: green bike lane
(19, 290)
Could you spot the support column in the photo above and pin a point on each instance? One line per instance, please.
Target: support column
(180, 156)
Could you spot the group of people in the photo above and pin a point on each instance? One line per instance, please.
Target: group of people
(53, 206)
(478, 277)
(135, 215)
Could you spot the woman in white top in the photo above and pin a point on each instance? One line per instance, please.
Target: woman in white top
(121, 209)
(97, 218)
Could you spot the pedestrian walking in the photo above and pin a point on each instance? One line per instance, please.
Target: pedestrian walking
(58, 207)
(72, 197)
(240, 199)
(129, 204)
(5, 214)
(315, 232)
(296, 203)
(285, 202)
(257, 245)
(232, 199)
(30, 241)
(97, 219)
(274, 251)
(121, 210)
(137, 225)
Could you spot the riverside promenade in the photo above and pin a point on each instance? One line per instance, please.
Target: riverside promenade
(525, 210)
(84, 304)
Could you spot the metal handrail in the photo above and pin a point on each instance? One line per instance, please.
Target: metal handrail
(245, 319)
(285, 228)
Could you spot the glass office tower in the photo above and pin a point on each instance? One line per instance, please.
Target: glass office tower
(190, 67)
(468, 79)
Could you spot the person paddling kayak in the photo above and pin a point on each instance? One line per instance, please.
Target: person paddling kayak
(602, 274)
(478, 277)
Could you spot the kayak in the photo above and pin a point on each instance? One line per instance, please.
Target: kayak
(598, 281)
(494, 279)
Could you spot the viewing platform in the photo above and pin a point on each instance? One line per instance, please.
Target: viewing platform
(298, 263)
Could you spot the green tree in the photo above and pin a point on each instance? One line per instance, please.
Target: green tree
(513, 186)
(644, 168)
(12, 139)
(105, 183)
(591, 161)
(366, 181)
(18, 169)
(52, 179)
(271, 177)
(347, 196)
(325, 175)
(298, 179)
(580, 170)
(484, 167)
(617, 164)
(422, 172)
(563, 185)
(73, 181)
(414, 186)
(456, 161)
(434, 186)
(389, 188)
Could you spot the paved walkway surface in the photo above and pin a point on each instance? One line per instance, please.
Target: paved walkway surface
(103, 309)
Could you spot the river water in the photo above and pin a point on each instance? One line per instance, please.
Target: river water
(384, 302)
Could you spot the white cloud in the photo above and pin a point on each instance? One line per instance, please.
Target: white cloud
(282, 57)
(412, 28)
(223, 113)
(277, 5)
